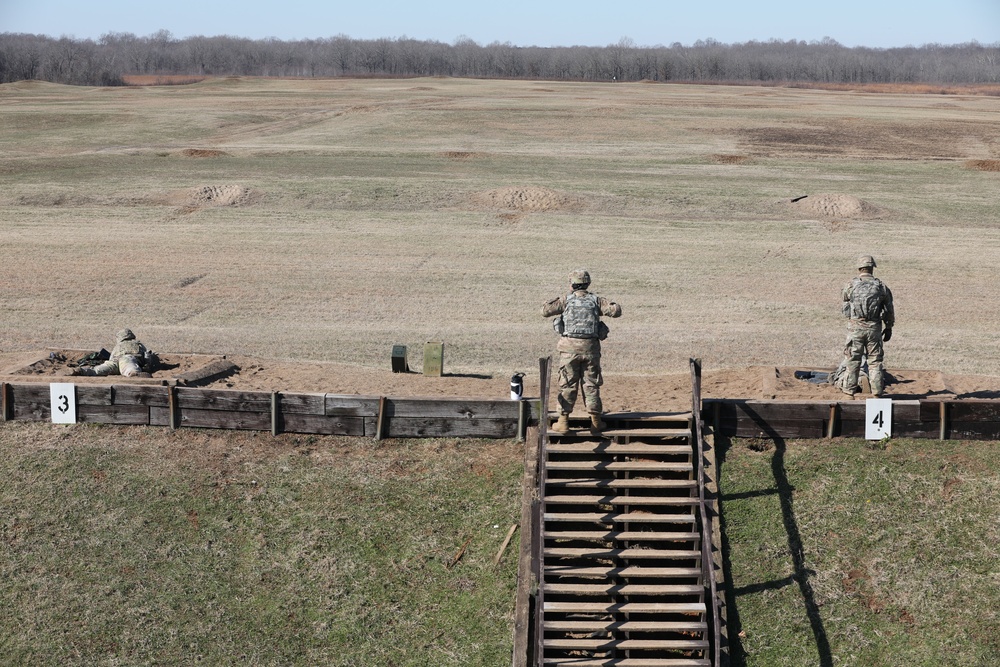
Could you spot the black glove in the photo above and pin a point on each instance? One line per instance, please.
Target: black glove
(887, 334)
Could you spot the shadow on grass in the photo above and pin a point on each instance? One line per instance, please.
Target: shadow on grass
(800, 573)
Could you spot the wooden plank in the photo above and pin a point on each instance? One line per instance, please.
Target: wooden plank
(113, 414)
(148, 395)
(351, 405)
(525, 579)
(5, 404)
(915, 429)
(456, 428)
(208, 373)
(225, 419)
(781, 428)
(973, 430)
(452, 408)
(303, 403)
(30, 402)
(276, 416)
(380, 419)
(323, 425)
(930, 411)
(228, 400)
(974, 411)
(93, 394)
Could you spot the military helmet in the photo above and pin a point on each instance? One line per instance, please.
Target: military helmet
(866, 262)
(124, 334)
(579, 277)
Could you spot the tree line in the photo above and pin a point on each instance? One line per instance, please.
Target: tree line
(104, 62)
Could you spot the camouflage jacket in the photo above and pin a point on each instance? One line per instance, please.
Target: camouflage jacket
(581, 345)
(885, 312)
(128, 348)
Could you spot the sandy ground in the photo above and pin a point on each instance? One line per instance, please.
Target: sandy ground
(639, 393)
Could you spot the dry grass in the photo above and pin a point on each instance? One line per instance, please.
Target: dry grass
(369, 213)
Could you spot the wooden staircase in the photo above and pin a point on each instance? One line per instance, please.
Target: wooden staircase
(620, 566)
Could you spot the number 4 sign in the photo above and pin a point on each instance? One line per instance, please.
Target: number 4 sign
(878, 418)
(63, 402)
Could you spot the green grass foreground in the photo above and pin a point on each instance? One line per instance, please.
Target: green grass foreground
(849, 552)
(139, 546)
(142, 546)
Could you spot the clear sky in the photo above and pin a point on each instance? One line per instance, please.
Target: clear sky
(874, 23)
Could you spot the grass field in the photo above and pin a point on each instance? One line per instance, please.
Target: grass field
(142, 546)
(328, 220)
(852, 553)
(134, 546)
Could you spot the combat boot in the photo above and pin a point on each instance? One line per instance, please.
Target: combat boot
(561, 425)
(596, 423)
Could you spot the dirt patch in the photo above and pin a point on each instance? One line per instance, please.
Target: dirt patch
(983, 165)
(730, 159)
(461, 155)
(59, 363)
(837, 206)
(203, 152)
(210, 196)
(637, 393)
(525, 199)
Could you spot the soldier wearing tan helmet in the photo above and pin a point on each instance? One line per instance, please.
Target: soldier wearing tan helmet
(871, 316)
(580, 332)
(127, 357)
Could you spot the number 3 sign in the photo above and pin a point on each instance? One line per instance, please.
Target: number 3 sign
(878, 418)
(63, 402)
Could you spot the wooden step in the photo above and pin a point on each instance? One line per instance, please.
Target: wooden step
(623, 589)
(620, 466)
(611, 607)
(632, 483)
(621, 535)
(609, 643)
(611, 432)
(604, 625)
(634, 501)
(618, 552)
(577, 661)
(630, 572)
(611, 518)
(617, 448)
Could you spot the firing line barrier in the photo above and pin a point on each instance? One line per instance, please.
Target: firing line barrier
(277, 412)
(394, 417)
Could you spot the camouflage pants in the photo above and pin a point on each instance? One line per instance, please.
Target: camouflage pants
(574, 367)
(127, 366)
(864, 342)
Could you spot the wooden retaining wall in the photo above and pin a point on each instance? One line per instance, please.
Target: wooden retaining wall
(939, 419)
(278, 412)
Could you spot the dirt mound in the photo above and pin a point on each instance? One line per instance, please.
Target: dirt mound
(983, 165)
(219, 195)
(525, 199)
(203, 152)
(837, 206)
(730, 159)
(460, 155)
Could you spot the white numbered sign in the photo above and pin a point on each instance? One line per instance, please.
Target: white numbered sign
(878, 418)
(63, 401)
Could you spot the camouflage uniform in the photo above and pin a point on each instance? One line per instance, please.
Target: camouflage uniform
(579, 344)
(127, 357)
(868, 307)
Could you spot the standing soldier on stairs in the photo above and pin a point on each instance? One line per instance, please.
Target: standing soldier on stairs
(871, 316)
(580, 332)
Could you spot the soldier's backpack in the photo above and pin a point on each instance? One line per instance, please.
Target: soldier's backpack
(581, 316)
(866, 299)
